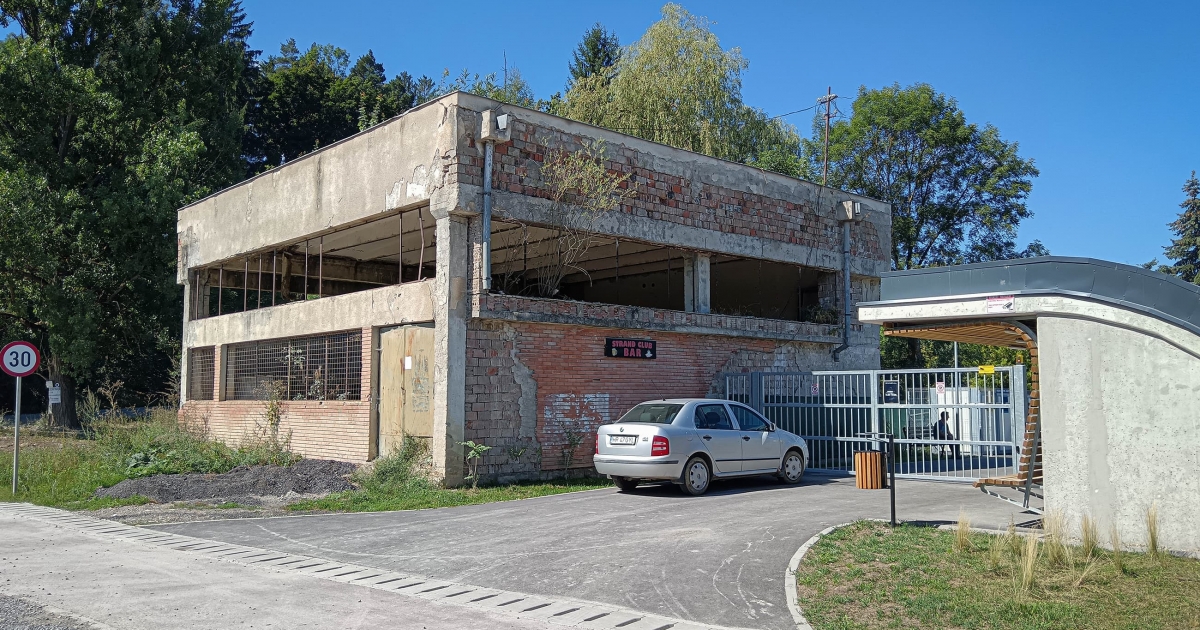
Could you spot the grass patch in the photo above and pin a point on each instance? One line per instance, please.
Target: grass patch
(867, 576)
(65, 471)
(400, 482)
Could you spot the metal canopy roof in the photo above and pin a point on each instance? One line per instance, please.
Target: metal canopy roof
(1148, 292)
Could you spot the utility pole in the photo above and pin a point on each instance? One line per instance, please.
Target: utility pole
(827, 100)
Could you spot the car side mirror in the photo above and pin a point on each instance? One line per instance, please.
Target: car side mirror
(771, 426)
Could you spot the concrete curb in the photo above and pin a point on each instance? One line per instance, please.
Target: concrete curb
(789, 577)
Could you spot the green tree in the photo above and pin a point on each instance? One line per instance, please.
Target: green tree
(113, 115)
(957, 190)
(302, 102)
(1185, 247)
(677, 86)
(512, 88)
(596, 55)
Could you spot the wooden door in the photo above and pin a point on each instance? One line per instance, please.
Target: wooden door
(391, 390)
(418, 381)
(405, 386)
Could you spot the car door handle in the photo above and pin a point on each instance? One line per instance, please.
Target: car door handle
(708, 437)
(746, 437)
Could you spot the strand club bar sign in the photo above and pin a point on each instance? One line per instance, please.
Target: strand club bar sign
(630, 348)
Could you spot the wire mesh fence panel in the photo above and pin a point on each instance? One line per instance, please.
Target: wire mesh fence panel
(948, 424)
(318, 367)
(201, 373)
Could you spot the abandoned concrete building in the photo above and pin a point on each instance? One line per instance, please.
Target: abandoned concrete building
(445, 276)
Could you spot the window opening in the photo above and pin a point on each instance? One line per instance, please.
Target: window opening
(316, 367)
(391, 250)
(201, 373)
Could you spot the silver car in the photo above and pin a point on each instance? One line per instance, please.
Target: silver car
(691, 441)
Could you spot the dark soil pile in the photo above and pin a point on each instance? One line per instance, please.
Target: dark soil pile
(242, 484)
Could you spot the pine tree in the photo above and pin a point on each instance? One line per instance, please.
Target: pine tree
(597, 54)
(1185, 250)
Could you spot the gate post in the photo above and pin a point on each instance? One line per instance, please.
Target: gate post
(1019, 412)
(756, 392)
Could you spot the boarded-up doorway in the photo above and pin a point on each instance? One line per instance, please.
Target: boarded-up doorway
(405, 386)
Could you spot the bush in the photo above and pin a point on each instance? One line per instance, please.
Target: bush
(112, 448)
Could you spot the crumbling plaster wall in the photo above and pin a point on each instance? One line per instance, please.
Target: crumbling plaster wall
(402, 163)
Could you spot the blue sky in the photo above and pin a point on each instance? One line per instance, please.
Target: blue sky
(1105, 97)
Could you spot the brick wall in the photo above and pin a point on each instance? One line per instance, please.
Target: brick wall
(530, 384)
(669, 197)
(327, 429)
(497, 306)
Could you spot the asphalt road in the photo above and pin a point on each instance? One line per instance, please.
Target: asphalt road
(717, 559)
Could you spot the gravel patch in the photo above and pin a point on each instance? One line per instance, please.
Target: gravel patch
(244, 484)
(244, 492)
(20, 614)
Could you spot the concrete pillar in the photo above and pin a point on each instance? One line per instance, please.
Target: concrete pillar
(451, 308)
(183, 358)
(689, 283)
(703, 283)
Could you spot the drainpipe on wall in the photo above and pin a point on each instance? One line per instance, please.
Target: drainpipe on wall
(495, 128)
(850, 211)
(487, 217)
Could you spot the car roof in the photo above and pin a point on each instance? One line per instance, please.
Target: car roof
(684, 401)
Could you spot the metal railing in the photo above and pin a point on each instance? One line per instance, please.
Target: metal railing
(957, 424)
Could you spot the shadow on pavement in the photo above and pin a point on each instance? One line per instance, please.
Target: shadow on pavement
(741, 485)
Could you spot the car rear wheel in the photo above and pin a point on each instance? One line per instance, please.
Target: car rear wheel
(625, 484)
(792, 470)
(696, 476)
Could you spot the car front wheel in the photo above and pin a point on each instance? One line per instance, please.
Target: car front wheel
(792, 470)
(625, 484)
(696, 476)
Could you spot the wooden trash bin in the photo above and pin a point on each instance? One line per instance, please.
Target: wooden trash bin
(869, 469)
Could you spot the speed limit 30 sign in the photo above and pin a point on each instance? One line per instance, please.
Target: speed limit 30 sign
(19, 358)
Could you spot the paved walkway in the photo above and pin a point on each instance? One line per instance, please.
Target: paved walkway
(64, 571)
(716, 559)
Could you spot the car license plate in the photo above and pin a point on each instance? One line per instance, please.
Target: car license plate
(622, 439)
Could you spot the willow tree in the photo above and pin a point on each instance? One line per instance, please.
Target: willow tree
(677, 86)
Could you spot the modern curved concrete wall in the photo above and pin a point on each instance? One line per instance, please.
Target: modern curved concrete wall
(1120, 396)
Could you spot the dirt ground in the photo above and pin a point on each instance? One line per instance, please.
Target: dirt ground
(29, 441)
(244, 492)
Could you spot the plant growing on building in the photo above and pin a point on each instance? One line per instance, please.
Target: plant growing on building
(572, 439)
(474, 456)
(516, 453)
(581, 190)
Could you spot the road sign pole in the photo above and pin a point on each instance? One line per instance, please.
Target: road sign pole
(16, 437)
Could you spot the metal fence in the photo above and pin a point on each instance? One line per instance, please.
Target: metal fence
(319, 367)
(949, 423)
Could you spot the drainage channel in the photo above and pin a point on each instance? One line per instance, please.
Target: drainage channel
(559, 611)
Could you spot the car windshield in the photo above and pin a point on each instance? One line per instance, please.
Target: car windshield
(655, 413)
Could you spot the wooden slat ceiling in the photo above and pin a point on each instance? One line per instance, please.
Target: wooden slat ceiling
(1000, 334)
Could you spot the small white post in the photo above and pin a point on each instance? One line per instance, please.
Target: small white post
(16, 437)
